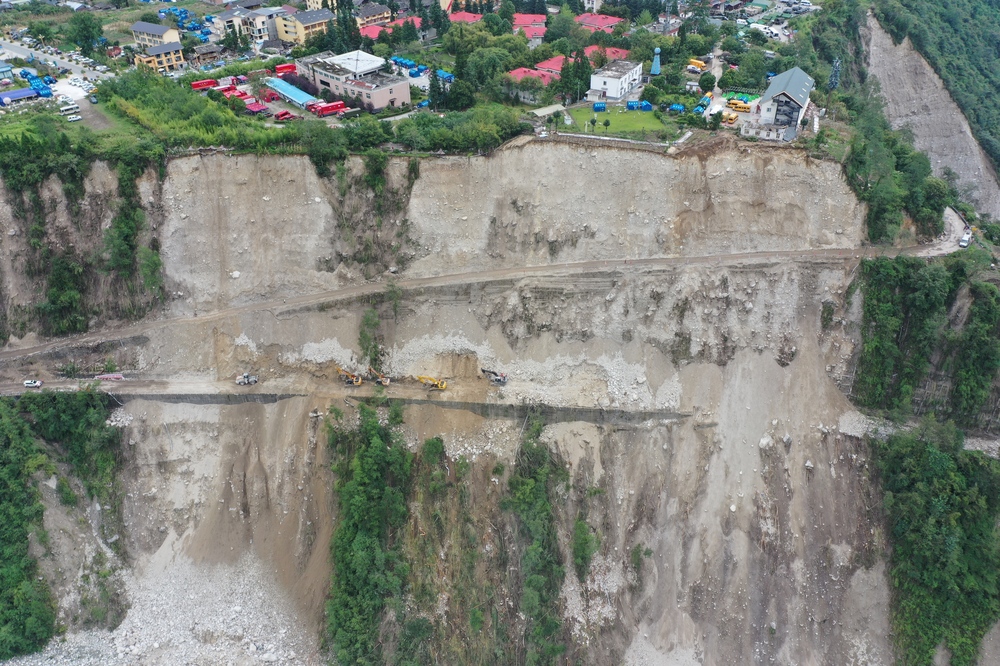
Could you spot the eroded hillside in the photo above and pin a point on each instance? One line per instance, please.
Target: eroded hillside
(915, 97)
(689, 399)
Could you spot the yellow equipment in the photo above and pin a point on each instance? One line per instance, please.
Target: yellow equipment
(350, 378)
(434, 384)
(380, 379)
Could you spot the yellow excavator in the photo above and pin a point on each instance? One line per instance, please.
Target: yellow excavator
(433, 384)
(380, 379)
(350, 378)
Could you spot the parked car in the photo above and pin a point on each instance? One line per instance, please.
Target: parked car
(32, 383)
(93, 99)
(73, 119)
(966, 239)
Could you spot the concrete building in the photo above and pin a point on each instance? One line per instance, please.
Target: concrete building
(261, 24)
(534, 34)
(206, 53)
(592, 5)
(151, 34)
(529, 93)
(614, 81)
(356, 74)
(300, 26)
(230, 20)
(162, 58)
(6, 71)
(372, 13)
(786, 98)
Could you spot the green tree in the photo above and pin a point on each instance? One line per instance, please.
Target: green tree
(150, 17)
(41, 31)
(436, 92)
(506, 11)
(368, 338)
(485, 64)
(461, 96)
(707, 82)
(84, 29)
(607, 124)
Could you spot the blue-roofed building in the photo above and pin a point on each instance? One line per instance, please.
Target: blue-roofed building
(6, 71)
(290, 93)
(10, 96)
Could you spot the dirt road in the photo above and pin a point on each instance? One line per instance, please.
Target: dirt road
(946, 244)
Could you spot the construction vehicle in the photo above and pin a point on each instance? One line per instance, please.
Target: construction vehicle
(379, 378)
(433, 384)
(350, 378)
(246, 378)
(496, 378)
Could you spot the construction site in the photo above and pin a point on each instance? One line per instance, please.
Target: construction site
(665, 327)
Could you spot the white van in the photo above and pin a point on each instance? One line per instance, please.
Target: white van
(69, 109)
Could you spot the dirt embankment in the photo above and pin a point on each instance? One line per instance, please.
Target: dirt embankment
(915, 97)
(541, 203)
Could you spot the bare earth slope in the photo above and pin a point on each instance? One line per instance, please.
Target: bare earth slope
(696, 397)
(916, 98)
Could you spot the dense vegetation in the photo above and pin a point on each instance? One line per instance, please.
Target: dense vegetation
(904, 326)
(373, 475)
(943, 504)
(541, 566)
(74, 426)
(959, 39)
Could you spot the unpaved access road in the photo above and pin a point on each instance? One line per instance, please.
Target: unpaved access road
(945, 244)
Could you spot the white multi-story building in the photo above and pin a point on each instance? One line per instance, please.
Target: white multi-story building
(614, 81)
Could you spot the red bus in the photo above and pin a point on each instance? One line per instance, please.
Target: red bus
(201, 85)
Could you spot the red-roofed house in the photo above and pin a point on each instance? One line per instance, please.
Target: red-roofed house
(612, 52)
(595, 22)
(418, 22)
(465, 17)
(529, 93)
(533, 33)
(371, 31)
(524, 20)
(552, 65)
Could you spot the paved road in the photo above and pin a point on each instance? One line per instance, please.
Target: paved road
(946, 244)
(18, 49)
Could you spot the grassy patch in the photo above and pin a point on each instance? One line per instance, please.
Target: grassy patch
(622, 122)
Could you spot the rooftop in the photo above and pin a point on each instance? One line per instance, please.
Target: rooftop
(595, 22)
(617, 68)
(233, 13)
(372, 31)
(169, 47)
(522, 73)
(465, 17)
(552, 64)
(795, 83)
(291, 92)
(532, 31)
(374, 82)
(267, 11)
(370, 9)
(150, 28)
(314, 16)
(612, 52)
(206, 49)
(528, 19)
(415, 20)
(357, 62)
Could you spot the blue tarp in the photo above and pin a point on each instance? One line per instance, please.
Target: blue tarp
(290, 92)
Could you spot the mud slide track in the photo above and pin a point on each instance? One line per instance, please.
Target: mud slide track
(943, 246)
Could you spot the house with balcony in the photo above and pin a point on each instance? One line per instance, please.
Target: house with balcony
(162, 58)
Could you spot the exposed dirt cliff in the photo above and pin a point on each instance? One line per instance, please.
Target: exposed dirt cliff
(691, 402)
(915, 97)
